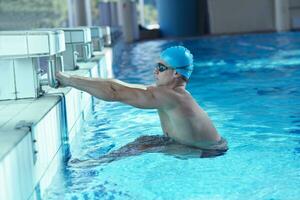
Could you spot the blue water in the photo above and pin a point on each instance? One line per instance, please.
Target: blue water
(248, 85)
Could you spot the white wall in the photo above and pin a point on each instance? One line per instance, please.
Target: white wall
(24, 166)
(236, 16)
(295, 13)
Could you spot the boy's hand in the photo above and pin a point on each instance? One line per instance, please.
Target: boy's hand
(63, 79)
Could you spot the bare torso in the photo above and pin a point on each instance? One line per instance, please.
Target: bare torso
(187, 123)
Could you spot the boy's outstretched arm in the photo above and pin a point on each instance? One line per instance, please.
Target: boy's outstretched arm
(114, 90)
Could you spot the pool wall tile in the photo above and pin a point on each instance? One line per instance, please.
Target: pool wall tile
(32, 154)
(16, 172)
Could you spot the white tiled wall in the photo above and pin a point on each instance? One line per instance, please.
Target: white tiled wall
(76, 102)
(16, 172)
(19, 171)
(34, 161)
(72, 107)
(47, 134)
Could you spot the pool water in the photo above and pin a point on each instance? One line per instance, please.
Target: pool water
(248, 85)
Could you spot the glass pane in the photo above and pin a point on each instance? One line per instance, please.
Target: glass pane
(25, 14)
(150, 14)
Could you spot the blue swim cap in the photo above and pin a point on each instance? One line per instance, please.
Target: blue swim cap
(180, 59)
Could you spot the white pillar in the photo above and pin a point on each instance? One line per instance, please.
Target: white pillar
(114, 14)
(128, 20)
(83, 13)
(79, 13)
(282, 15)
(88, 12)
(71, 15)
(142, 16)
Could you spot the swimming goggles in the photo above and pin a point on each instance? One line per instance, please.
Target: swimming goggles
(161, 67)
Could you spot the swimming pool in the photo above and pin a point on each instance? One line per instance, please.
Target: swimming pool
(250, 87)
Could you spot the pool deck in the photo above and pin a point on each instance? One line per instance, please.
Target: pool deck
(32, 132)
(18, 116)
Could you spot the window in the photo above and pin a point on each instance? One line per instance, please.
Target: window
(148, 16)
(20, 14)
